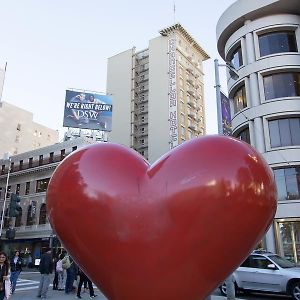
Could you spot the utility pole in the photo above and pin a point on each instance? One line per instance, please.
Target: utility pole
(230, 289)
(5, 196)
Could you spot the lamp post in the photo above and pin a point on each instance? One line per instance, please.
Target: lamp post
(234, 75)
(5, 196)
(230, 289)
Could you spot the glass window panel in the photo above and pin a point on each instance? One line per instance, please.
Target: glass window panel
(269, 88)
(239, 99)
(274, 133)
(280, 184)
(285, 133)
(236, 58)
(277, 42)
(282, 85)
(291, 184)
(295, 130)
(244, 135)
(297, 83)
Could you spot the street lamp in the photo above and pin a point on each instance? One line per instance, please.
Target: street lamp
(5, 196)
(234, 75)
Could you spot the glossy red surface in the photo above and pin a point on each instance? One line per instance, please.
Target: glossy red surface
(170, 231)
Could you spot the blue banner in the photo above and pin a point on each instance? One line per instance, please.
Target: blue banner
(226, 115)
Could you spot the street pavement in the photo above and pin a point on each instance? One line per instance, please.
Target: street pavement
(28, 282)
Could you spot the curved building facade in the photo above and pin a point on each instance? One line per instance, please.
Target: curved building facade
(261, 39)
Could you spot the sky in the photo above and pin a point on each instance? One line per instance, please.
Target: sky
(54, 45)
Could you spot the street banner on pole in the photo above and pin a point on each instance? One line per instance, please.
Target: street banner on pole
(226, 116)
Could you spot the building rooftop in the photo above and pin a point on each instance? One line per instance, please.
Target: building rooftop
(178, 27)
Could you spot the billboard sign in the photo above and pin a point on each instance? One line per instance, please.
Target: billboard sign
(226, 115)
(88, 110)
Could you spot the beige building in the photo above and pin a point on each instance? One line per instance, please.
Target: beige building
(158, 93)
(29, 176)
(19, 133)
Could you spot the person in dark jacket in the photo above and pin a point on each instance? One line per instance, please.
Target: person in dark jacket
(16, 268)
(46, 268)
(4, 272)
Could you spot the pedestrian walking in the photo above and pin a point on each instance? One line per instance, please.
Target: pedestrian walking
(46, 268)
(72, 271)
(4, 276)
(15, 268)
(60, 272)
(82, 279)
(55, 279)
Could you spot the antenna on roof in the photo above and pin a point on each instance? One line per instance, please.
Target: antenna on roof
(174, 11)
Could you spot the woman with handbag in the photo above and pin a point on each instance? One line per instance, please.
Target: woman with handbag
(4, 277)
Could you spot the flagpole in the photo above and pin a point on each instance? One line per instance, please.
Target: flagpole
(1, 91)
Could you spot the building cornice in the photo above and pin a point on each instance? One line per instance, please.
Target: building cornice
(179, 28)
(234, 16)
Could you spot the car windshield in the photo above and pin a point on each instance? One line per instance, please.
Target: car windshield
(282, 262)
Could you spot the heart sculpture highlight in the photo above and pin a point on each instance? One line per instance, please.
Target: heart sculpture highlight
(170, 231)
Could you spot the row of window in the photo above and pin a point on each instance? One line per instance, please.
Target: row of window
(277, 85)
(269, 43)
(30, 219)
(40, 187)
(283, 132)
(41, 161)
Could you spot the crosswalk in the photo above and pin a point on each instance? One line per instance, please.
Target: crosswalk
(26, 284)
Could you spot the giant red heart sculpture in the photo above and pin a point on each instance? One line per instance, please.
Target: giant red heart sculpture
(172, 231)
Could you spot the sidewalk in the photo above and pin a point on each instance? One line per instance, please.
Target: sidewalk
(55, 295)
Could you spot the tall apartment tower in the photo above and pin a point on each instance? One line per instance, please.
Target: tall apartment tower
(261, 38)
(158, 93)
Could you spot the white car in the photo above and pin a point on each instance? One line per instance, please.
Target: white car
(267, 272)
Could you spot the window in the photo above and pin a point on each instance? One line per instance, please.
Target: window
(43, 215)
(30, 216)
(284, 132)
(239, 99)
(18, 222)
(51, 157)
(41, 160)
(18, 189)
(2, 169)
(19, 127)
(41, 185)
(6, 219)
(62, 154)
(74, 148)
(8, 191)
(282, 85)
(256, 261)
(30, 164)
(27, 188)
(182, 117)
(277, 42)
(21, 165)
(182, 106)
(236, 58)
(12, 166)
(182, 130)
(244, 135)
(287, 183)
